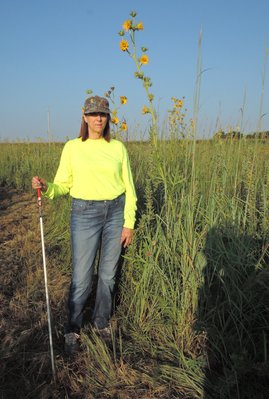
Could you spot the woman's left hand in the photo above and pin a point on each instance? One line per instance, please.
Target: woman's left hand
(126, 236)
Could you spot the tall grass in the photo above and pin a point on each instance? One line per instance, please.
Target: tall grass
(192, 307)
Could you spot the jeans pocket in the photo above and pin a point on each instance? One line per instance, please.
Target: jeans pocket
(120, 201)
(78, 206)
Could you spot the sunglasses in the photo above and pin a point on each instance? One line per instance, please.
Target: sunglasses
(95, 114)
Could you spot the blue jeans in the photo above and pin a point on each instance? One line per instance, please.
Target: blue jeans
(94, 224)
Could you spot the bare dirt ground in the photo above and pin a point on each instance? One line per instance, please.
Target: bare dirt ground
(25, 369)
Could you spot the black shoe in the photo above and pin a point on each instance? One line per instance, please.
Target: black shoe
(71, 343)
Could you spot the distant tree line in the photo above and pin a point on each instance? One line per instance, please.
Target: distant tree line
(220, 134)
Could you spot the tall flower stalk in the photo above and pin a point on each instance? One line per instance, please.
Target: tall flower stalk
(129, 28)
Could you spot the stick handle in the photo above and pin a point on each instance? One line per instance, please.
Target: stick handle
(39, 196)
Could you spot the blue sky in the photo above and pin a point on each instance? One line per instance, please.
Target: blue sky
(53, 50)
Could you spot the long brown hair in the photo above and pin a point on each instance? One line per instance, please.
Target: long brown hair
(84, 134)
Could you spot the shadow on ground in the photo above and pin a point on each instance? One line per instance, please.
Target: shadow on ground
(234, 313)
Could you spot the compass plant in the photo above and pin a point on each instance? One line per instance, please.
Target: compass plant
(128, 45)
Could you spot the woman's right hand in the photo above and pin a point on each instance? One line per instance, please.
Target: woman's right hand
(39, 182)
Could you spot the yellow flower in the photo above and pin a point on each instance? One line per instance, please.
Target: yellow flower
(145, 110)
(123, 126)
(124, 45)
(179, 103)
(114, 112)
(140, 26)
(144, 59)
(115, 120)
(123, 99)
(126, 25)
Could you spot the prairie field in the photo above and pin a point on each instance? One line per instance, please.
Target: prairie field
(191, 314)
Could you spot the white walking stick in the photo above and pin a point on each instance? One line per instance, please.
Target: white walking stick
(46, 281)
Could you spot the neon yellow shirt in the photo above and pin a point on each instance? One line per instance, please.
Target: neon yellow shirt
(95, 170)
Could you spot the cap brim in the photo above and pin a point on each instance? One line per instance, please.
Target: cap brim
(92, 111)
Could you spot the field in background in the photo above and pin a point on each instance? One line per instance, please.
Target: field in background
(192, 304)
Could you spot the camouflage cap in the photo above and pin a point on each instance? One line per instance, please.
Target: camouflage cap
(96, 104)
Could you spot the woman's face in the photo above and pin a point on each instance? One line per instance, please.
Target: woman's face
(96, 122)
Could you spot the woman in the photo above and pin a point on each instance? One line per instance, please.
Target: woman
(95, 170)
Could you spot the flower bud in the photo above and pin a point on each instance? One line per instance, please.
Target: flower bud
(139, 75)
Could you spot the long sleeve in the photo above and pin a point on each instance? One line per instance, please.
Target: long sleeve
(130, 194)
(64, 178)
